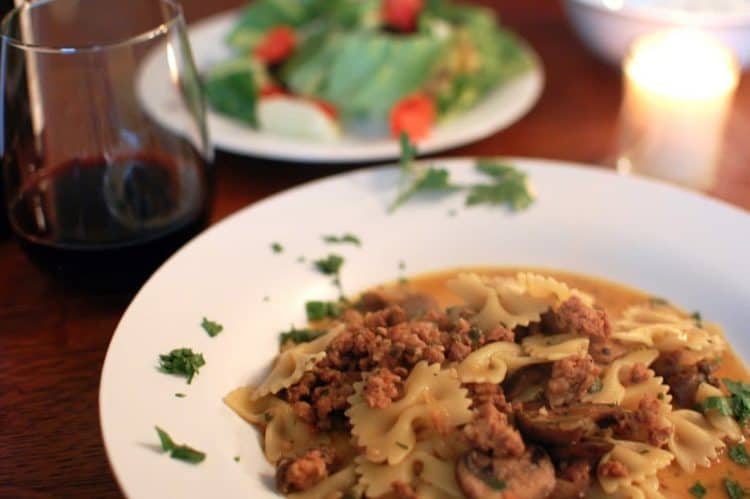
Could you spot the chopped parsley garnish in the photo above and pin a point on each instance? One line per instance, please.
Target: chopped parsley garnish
(180, 395)
(655, 300)
(719, 404)
(495, 483)
(211, 327)
(277, 248)
(509, 186)
(738, 454)
(432, 179)
(182, 452)
(739, 400)
(343, 239)
(696, 316)
(697, 490)
(318, 310)
(182, 361)
(236, 459)
(403, 446)
(300, 335)
(734, 489)
(596, 386)
(331, 265)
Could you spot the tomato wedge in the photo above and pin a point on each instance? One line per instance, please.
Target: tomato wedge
(272, 90)
(414, 115)
(327, 108)
(277, 45)
(402, 15)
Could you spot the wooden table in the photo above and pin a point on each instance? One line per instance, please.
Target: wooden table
(53, 340)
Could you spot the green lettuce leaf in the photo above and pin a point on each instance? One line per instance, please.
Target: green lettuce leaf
(231, 90)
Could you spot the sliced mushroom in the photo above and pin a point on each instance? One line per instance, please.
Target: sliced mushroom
(414, 304)
(525, 382)
(590, 449)
(531, 476)
(566, 425)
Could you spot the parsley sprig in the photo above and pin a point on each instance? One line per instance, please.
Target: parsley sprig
(179, 451)
(506, 186)
(331, 265)
(318, 310)
(211, 327)
(342, 239)
(182, 361)
(509, 186)
(738, 454)
(735, 490)
(737, 405)
(697, 490)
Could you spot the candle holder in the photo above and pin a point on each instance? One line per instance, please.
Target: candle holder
(679, 86)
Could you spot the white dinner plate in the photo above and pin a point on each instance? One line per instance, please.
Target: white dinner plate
(670, 242)
(501, 108)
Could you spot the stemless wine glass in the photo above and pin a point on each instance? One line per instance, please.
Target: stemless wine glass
(98, 191)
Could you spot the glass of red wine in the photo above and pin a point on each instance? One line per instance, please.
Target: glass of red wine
(98, 191)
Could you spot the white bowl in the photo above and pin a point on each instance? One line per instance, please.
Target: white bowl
(608, 27)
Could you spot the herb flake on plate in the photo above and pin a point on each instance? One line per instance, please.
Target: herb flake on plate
(180, 452)
(509, 187)
(211, 327)
(342, 239)
(330, 265)
(277, 248)
(318, 310)
(182, 361)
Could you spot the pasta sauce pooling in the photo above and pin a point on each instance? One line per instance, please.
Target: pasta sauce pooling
(498, 383)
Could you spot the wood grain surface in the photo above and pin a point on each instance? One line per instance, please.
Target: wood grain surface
(53, 340)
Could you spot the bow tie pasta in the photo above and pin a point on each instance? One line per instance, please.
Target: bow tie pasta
(534, 386)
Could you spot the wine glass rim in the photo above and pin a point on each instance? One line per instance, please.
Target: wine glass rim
(144, 36)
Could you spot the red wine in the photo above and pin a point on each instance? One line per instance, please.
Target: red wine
(109, 224)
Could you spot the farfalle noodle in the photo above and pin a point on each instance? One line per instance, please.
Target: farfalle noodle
(554, 347)
(439, 474)
(725, 425)
(389, 434)
(667, 329)
(695, 442)
(641, 461)
(511, 302)
(291, 364)
(491, 363)
(285, 434)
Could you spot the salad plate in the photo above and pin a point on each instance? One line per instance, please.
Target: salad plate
(253, 274)
(498, 109)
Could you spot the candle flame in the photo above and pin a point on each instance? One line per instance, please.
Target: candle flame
(682, 64)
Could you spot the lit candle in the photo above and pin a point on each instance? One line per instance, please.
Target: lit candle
(678, 90)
